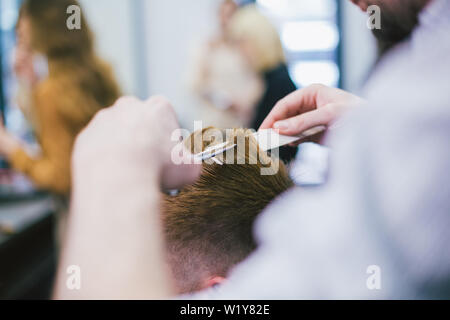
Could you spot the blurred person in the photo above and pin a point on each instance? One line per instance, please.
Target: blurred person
(208, 225)
(261, 44)
(383, 212)
(223, 79)
(63, 84)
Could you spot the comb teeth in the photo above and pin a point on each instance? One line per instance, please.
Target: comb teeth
(269, 139)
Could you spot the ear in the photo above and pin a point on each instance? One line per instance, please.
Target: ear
(214, 281)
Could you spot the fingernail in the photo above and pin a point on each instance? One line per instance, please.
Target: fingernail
(282, 125)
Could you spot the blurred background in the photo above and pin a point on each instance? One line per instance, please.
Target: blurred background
(220, 62)
(150, 43)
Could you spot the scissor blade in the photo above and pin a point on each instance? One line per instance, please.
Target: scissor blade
(213, 151)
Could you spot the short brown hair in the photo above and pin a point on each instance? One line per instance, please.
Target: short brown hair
(208, 225)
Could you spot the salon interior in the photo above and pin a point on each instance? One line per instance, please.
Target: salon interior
(173, 48)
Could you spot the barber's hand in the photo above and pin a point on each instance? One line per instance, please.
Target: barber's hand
(132, 140)
(309, 107)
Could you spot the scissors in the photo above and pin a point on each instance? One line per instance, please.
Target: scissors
(268, 139)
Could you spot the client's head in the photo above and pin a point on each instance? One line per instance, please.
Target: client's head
(208, 225)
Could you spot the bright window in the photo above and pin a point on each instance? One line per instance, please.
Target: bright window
(310, 35)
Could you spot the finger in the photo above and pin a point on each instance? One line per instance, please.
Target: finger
(126, 102)
(185, 174)
(161, 108)
(298, 124)
(298, 102)
(317, 138)
(177, 175)
(157, 99)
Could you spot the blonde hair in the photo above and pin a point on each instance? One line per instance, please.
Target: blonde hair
(248, 24)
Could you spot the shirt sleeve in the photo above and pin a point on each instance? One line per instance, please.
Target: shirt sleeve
(379, 227)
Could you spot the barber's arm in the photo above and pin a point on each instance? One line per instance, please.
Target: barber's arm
(114, 243)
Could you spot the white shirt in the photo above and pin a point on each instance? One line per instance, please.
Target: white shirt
(386, 206)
